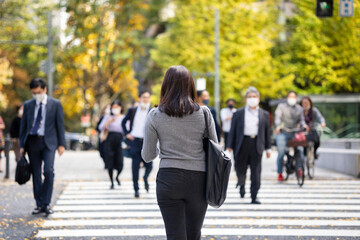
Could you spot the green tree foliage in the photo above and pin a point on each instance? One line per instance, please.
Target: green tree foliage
(21, 20)
(96, 65)
(321, 54)
(247, 31)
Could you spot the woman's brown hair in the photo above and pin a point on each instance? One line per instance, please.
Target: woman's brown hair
(178, 92)
(309, 99)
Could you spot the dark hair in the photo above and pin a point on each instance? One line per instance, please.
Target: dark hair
(291, 91)
(178, 92)
(117, 102)
(200, 92)
(307, 98)
(38, 82)
(230, 99)
(18, 107)
(144, 91)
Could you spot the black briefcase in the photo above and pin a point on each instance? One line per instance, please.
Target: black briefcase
(23, 171)
(218, 166)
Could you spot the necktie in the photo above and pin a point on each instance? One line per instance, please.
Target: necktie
(37, 121)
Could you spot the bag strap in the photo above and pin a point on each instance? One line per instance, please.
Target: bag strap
(206, 125)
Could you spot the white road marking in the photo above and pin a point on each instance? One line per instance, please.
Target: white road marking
(220, 213)
(206, 231)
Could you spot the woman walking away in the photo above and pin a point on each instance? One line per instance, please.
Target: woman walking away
(179, 125)
(113, 151)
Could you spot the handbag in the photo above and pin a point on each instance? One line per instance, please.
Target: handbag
(218, 166)
(23, 171)
(103, 135)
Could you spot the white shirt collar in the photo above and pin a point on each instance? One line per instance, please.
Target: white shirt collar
(44, 101)
(256, 109)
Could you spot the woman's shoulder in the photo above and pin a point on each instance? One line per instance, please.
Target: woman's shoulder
(206, 110)
(154, 113)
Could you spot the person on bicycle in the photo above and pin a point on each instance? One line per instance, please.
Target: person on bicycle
(288, 115)
(313, 118)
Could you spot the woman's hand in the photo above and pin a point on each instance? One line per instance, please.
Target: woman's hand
(111, 120)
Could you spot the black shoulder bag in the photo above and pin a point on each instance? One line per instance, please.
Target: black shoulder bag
(23, 171)
(218, 166)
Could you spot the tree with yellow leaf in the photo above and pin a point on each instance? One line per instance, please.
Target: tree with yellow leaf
(95, 66)
(247, 30)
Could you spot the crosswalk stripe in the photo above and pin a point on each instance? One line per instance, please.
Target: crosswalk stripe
(320, 182)
(229, 194)
(220, 213)
(302, 190)
(273, 187)
(228, 200)
(154, 206)
(210, 222)
(318, 209)
(206, 231)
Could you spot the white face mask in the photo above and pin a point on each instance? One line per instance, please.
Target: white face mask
(116, 111)
(252, 102)
(144, 105)
(291, 101)
(20, 112)
(39, 97)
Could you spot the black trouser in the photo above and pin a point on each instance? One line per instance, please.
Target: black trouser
(181, 198)
(113, 152)
(249, 156)
(226, 134)
(38, 152)
(135, 151)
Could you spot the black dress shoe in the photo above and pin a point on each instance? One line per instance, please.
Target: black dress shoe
(118, 181)
(112, 186)
(137, 194)
(255, 201)
(47, 210)
(37, 210)
(242, 191)
(146, 185)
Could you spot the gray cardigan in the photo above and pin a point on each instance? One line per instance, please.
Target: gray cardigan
(180, 139)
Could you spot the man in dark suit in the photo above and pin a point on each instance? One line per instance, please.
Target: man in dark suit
(134, 133)
(249, 136)
(204, 100)
(41, 134)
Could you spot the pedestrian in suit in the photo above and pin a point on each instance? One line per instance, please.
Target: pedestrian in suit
(41, 134)
(204, 100)
(249, 136)
(134, 133)
(102, 134)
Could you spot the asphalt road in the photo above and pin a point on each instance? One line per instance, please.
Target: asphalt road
(85, 208)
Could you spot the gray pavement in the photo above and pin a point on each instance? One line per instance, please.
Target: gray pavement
(80, 176)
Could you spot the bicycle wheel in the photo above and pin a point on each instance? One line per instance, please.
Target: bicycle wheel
(300, 176)
(285, 163)
(310, 160)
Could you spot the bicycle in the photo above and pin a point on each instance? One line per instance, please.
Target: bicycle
(293, 155)
(312, 136)
(310, 157)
